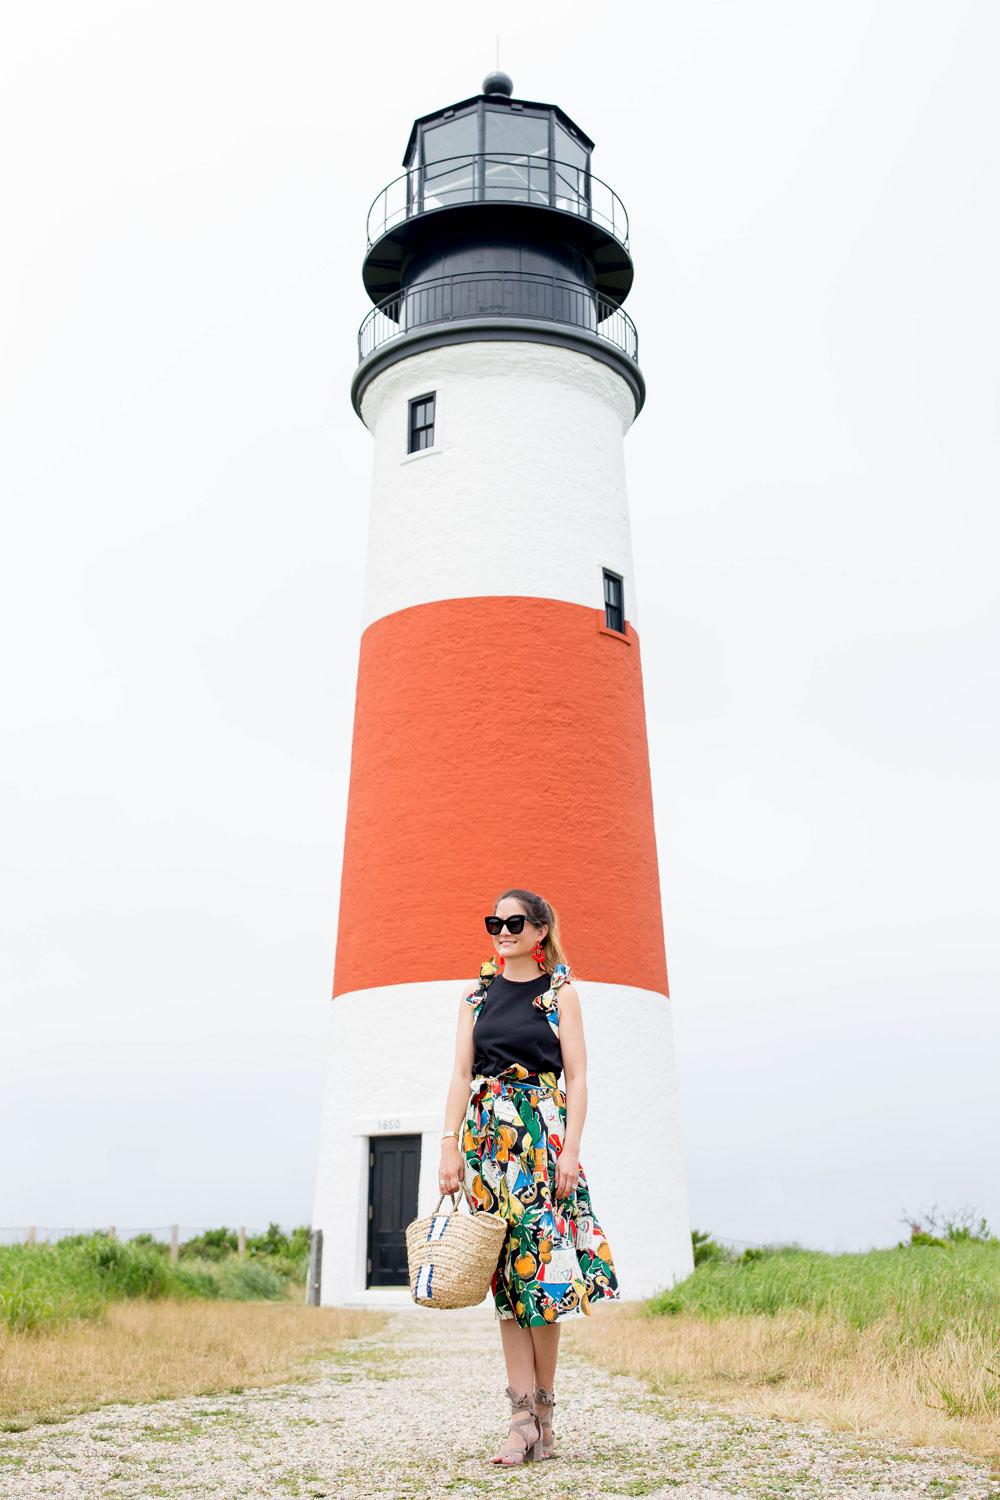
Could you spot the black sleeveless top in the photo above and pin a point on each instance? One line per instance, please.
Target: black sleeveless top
(510, 1029)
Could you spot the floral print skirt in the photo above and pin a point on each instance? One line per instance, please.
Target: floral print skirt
(555, 1259)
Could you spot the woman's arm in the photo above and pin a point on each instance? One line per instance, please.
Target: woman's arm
(574, 1056)
(451, 1169)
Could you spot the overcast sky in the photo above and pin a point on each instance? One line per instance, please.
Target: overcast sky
(812, 192)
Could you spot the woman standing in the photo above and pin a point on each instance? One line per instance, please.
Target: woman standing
(517, 1152)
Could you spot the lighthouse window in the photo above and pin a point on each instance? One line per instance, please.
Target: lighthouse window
(450, 161)
(517, 157)
(421, 423)
(614, 602)
(571, 173)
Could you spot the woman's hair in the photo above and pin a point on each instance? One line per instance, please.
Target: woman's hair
(541, 914)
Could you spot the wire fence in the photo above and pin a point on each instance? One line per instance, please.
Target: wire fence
(32, 1234)
(179, 1233)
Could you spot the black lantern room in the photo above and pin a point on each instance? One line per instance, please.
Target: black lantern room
(497, 229)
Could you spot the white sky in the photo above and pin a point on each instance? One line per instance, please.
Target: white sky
(814, 481)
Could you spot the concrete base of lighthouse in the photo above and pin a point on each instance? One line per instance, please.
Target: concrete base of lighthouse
(389, 1070)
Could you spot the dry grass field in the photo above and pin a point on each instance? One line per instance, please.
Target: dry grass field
(416, 1410)
(800, 1366)
(144, 1351)
(902, 1344)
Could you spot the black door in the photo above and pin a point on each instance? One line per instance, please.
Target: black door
(393, 1173)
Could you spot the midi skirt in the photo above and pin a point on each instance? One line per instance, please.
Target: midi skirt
(555, 1259)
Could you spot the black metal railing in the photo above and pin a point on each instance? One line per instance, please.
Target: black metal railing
(497, 294)
(498, 177)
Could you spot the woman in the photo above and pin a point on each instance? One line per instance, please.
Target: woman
(517, 1153)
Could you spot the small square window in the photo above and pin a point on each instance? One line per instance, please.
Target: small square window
(421, 431)
(614, 602)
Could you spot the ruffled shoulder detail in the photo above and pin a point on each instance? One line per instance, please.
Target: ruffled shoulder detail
(487, 973)
(547, 1000)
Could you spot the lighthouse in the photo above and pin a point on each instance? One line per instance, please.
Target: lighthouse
(499, 732)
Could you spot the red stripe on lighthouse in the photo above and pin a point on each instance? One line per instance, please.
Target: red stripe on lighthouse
(498, 742)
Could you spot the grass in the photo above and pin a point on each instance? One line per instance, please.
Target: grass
(44, 1286)
(91, 1319)
(902, 1343)
(146, 1350)
(925, 1292)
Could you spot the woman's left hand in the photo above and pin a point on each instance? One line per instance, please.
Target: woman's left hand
(567, 1172)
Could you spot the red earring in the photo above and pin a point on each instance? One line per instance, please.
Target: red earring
(500, 962)
(538, 952)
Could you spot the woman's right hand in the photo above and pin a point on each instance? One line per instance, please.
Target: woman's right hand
(451, 1172)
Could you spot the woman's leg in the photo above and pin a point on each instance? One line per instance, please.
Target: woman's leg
(519, 1355)
(546, 1343)
(530, 1355)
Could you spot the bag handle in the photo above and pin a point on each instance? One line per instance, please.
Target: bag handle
(464, 1193)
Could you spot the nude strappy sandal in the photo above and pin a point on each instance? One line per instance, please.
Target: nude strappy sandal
(522, 1417)
(542, 1397)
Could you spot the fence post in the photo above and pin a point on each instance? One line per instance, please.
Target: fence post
(174, 1242)
(31, 1234)
(241, 1241)
(315, 1277)
(112, 1233)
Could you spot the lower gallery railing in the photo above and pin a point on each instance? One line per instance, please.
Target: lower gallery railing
(497, 294)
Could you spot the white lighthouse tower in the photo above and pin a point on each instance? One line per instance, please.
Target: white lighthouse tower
(500, 733)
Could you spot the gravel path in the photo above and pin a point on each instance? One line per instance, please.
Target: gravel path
(416, 1410)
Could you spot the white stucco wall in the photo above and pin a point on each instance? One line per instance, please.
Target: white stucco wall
(522, 493)
(389, 1072)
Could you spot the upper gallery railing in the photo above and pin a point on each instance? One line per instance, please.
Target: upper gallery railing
(497, 294)
(498, 177)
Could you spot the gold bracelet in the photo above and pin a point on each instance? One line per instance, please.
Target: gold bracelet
(452, 1135)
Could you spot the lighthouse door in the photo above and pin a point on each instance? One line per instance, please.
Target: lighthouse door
(393, 1173)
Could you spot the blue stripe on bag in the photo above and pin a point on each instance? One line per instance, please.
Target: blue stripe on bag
(423, 1286)
(439, 1223)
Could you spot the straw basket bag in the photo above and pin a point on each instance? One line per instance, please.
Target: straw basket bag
(452, 1256)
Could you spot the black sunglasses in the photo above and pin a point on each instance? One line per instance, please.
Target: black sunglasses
(514, 925)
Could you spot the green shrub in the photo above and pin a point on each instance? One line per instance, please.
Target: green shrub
(248, 1281)
(706, 1249)
(160, 1246)
(286, 1270)
(44, 1284)
(231, 1279)
(937, 1227)
(214, 1244)
(189, 1279)
(126, 1269)
(274, 1241)
(923, 1295)
(288, 1254)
